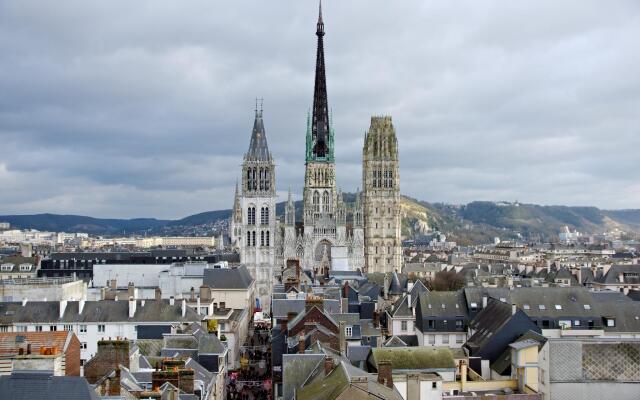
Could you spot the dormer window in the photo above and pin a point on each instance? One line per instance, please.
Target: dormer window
(25, 267)
(587, 307)
(542, 307)
(474, 306)
(348, 331)
(611, 322)
(558, 307)
(526, 306)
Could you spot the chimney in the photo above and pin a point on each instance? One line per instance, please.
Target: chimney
(158, 294)
(131, 290)
(384, 373)
(621, 277)
(80, 306)
(328, 365)
(63, 307)
(20, 351)
(113, 284)
(193, 294)
(463, 375)
(184, 308)
(198, 305)
(484, 301)
(514, 309)
(205, 293)
(132, 306)
(409, 286)
(24, 301)
(28, 348)
(301, 344)
(172, 301)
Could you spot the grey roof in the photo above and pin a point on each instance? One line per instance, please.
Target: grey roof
(227, 278)
(29, 385)
(258, 149)
(94, 311)
(630, 275)
(280, 308)
(358, 353)
(418, 287)
(401, 308)
(443, 304)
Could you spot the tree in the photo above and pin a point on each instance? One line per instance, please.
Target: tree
(447, 281)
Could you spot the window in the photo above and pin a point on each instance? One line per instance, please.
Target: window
(82, 361)
(268, 241)
(526, 306)
(474, 307)
(21, 328)
(100, 328)
(83, 329)
(403, 326)
(53, 328)
(251, 216)
(4, 328)
(432, 339)
(83, 345)
(611, 322)
(432, 324)
(445, 339)
(587, 307)
(434, 385)
(7, 267)
(262, 238)
(348, 331)
(459, 323)
(542, 307)
(264, 216)
(558, 307)
(459, 339)
(576, 322)
(25, 267)
(38, 328)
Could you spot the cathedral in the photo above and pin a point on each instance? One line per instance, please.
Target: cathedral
(332, 234)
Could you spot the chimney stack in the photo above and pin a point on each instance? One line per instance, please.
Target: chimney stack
(384, 373)
(193, 294)
(484, 301)
(80, 306)
(343, 338)
(158, 294)
(132, 306)
(131, 290)
(113, 284)
(172, 301)
(184, 308)
(328, 365)
(301, 344)
(24, 302)
(514, 309)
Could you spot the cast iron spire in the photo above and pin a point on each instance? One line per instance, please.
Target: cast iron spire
(320, 129)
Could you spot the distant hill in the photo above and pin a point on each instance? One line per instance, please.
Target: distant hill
(476, 222)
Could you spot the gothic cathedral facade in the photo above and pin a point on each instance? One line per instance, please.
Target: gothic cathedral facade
(381, 183)
(332, 234)
(253, 220)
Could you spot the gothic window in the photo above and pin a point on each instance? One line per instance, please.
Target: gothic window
(249, 183)
(268, 244)
(267, 179)
(253, 238)
(261, 176)
(325, 202)
(261, 238)
(251, 216)
(316, 201)
(264, 216)
(390, 179)
(248, 239)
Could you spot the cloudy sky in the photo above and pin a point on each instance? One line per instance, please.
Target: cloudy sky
(132, 108)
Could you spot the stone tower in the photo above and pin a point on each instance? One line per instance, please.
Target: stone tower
(253, 222)
(381, 182)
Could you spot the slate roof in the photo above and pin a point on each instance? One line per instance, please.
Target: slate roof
(227, 278)
(611, 277)
(401, 308)
(488, 321)
(94, 311)
(29, 385)
(431, 304)
(280, 308)
(258, 149)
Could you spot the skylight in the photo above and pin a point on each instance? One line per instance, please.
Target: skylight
(558, 307)
(526, 307)
(542, 307)
(587, 307)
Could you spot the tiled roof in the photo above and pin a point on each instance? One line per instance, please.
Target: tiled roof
(41, 385)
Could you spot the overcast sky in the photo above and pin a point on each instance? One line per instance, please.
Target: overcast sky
(144, 109)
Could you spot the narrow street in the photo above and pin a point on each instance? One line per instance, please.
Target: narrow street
(253, 379)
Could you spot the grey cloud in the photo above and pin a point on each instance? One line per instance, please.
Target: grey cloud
(124, 109)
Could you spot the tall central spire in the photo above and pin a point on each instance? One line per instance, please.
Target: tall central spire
(320, 140)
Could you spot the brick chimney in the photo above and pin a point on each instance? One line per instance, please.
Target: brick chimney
(205, 293)
(158, 294)
(131, 290)
(301, 344)
(328, 365)
(384, 373)
(193, 294)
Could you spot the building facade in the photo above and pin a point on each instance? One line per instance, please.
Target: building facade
(253, 223)
(381, 183)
